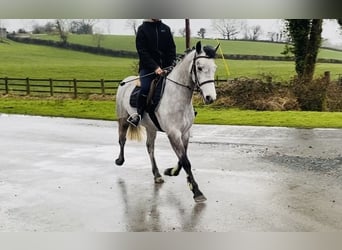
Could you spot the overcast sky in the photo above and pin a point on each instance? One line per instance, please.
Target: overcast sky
(331, 29)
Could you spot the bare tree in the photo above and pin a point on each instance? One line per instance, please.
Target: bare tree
(252, 33)
(227, 28)
(182, 32)
(272, 36)
(256, 32)
(2, 31)
(133, 24)
(62, 28)
(98, 38)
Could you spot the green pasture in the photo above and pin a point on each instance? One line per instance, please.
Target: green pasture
(121, 42)
(34, 61)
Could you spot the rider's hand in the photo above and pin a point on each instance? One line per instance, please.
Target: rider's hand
(159, 71)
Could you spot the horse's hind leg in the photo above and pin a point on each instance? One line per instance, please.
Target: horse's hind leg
(151, 137)
(180, 145)
(122, 127)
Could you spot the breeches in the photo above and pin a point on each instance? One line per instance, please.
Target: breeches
(145, 81)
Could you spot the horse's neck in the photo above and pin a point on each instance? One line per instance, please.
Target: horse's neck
(181, 74)
(179, 85)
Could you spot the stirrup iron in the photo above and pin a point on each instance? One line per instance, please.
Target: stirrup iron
(132, 119)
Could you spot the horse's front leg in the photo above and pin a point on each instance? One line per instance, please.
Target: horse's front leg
(175, 170)
(151, 137)
(122, 127)
(179, 144)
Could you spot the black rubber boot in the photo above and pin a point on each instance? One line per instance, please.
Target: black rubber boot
(134, 119)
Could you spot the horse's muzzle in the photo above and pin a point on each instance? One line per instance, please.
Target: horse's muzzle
(208, 99)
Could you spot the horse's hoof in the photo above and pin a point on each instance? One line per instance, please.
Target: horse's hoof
(200, 198)
(171, 172)
(119, 161)
(159, 180)
(168, 171)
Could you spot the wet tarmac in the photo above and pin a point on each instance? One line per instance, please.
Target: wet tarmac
(59, 174)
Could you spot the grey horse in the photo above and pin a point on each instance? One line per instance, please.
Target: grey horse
(175, 113)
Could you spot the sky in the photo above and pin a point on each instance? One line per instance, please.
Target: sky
(331, 29)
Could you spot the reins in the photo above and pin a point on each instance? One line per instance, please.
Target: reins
(179, 84)
(139, 77)
(193, 69)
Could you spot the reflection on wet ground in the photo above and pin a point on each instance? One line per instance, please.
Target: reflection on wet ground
(143, 215)
(59, 175)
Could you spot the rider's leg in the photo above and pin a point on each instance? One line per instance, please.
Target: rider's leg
(142, 96)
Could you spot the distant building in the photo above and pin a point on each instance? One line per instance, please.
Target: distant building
(3, 33)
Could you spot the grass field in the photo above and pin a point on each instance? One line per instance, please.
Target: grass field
(24, 60)
(119, 42)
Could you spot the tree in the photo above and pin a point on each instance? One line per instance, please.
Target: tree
(306, 38)
(84, 26)
(227, 28)
(133, 24)
(182, 32)
(98, 38)
(305, 35)
(41, 29)
(252, 33)
(62, 29)
(2, 32)
(256, 32)
(201, 33)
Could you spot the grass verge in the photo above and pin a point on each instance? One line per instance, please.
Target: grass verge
(105, 110)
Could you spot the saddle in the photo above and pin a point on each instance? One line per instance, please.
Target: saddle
(154, 95)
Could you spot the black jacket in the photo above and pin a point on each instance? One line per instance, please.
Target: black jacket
(155, 45)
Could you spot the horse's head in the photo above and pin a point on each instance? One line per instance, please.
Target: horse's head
(203, 71)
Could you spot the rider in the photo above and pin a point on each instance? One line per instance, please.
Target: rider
(157, 50)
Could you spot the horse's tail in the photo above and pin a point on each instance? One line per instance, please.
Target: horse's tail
(135, 133)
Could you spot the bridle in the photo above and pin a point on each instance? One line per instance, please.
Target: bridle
(193, 70)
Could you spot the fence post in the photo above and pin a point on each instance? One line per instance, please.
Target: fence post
(28, 86)
(6, 85)
(75, 88)
(51, 87)
(327, 76)
(102, 87)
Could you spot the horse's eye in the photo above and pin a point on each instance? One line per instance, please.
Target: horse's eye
(200, 68)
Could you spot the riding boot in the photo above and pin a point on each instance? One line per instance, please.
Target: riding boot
(134, 119)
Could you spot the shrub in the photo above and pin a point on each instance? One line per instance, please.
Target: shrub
(256, 94)
(334, 96)
(312, 95)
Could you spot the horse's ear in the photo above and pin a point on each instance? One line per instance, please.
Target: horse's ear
(198, 47)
